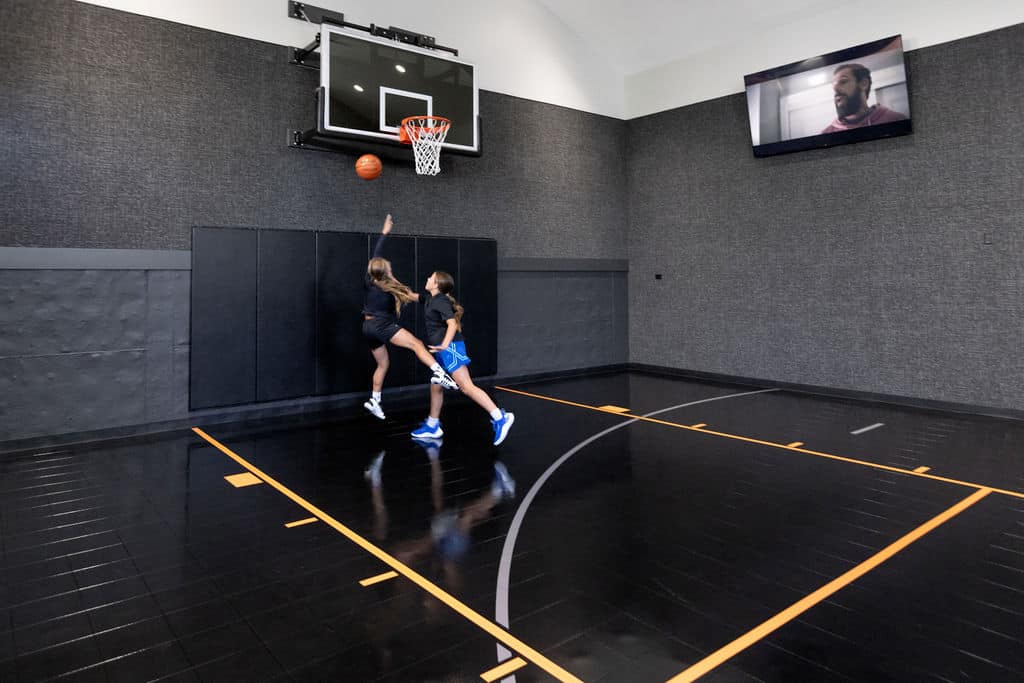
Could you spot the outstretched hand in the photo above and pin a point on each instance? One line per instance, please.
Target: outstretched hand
(437, 349)
(387, 225)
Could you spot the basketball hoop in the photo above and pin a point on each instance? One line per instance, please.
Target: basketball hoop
(425, 134)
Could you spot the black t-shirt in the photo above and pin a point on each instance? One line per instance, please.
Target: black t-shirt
(377, 302)
(437, 311)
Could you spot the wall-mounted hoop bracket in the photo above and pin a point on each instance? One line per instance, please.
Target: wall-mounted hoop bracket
(317, 15)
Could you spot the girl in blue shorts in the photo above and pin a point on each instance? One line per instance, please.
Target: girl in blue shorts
(443, 317)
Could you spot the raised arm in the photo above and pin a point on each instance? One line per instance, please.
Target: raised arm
(384, 231)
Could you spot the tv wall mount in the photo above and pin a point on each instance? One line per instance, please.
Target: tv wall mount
(308, 56)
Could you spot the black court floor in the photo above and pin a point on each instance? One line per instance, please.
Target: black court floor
(658, 530)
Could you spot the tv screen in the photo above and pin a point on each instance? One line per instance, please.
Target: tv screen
(855, 94)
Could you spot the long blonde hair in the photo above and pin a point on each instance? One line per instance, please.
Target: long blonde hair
(445, 285)
(379, 270)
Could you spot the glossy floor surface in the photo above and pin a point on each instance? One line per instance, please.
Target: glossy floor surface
(712, 531)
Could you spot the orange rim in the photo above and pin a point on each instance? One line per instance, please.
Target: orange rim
(441, 124)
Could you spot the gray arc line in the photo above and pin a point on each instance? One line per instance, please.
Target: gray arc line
(868, 428)
(505, 566)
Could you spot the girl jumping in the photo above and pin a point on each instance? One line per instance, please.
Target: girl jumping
(385, 297)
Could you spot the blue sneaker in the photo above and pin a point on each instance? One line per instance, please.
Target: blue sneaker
(430, 445)
(501, 426)
(503, 482)
(425, 431)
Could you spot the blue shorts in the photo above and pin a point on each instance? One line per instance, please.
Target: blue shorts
(454, 357)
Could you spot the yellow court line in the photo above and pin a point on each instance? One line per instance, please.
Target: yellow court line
(503, 669)
(497, 632)
(699, 425)
(300, 522)
(243, 479)
(794, 444)
(377, 579)
(613, 409)
(747, 439)
(797, 608)
(922, 468)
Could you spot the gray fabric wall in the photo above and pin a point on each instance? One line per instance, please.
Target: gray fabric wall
(120, 131)
(891, 266)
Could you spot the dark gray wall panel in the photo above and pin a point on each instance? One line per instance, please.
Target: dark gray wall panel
(889, 267)
(167, 344)
(223, 317)
(286, 315)
(343, 360)
(71, 392)
(478, 293)
(53, 311)
(560, 321)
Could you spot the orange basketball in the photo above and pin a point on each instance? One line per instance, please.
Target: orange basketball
(368, 166)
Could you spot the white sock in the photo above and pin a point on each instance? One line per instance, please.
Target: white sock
(376, 396)
(432, 422)
(437, 369)
(496, 414)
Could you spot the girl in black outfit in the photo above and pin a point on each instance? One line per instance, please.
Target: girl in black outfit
(385, 297)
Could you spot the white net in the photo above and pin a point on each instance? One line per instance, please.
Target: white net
(426, 133)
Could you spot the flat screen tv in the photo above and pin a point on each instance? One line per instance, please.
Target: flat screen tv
(855, 94)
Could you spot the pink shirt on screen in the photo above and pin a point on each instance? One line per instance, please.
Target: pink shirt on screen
(875, 115)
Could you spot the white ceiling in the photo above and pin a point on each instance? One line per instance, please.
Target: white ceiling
(637, 35)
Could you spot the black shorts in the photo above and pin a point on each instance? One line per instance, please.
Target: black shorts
(379, 331)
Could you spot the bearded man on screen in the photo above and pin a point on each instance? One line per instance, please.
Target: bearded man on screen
(851, 85)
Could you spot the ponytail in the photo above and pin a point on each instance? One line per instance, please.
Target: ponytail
(459, 310)
(379, 272)
(445, 284)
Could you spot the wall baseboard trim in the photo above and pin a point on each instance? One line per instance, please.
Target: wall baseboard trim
(830, 392)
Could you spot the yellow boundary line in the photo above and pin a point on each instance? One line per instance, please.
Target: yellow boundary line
(492, 629)
(379, 578)
(797, 608)
(503, 669)
(865, 463)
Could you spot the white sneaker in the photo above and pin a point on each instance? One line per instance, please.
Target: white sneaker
(444, 379)
(372, 472)
(373, 405)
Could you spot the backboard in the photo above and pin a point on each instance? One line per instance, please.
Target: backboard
(370, 84)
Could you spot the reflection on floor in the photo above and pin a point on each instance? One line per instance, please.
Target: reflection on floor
(591, 545)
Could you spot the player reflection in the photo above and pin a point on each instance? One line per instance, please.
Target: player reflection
(443, 545)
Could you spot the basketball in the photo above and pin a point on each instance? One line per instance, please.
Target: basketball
(368, 167)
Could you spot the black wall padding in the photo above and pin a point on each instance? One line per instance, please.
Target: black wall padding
(478, 293)
(286, 320)
(343, 361)
(401, 251)
(223, 346)
(276, 314)
(432, 254)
